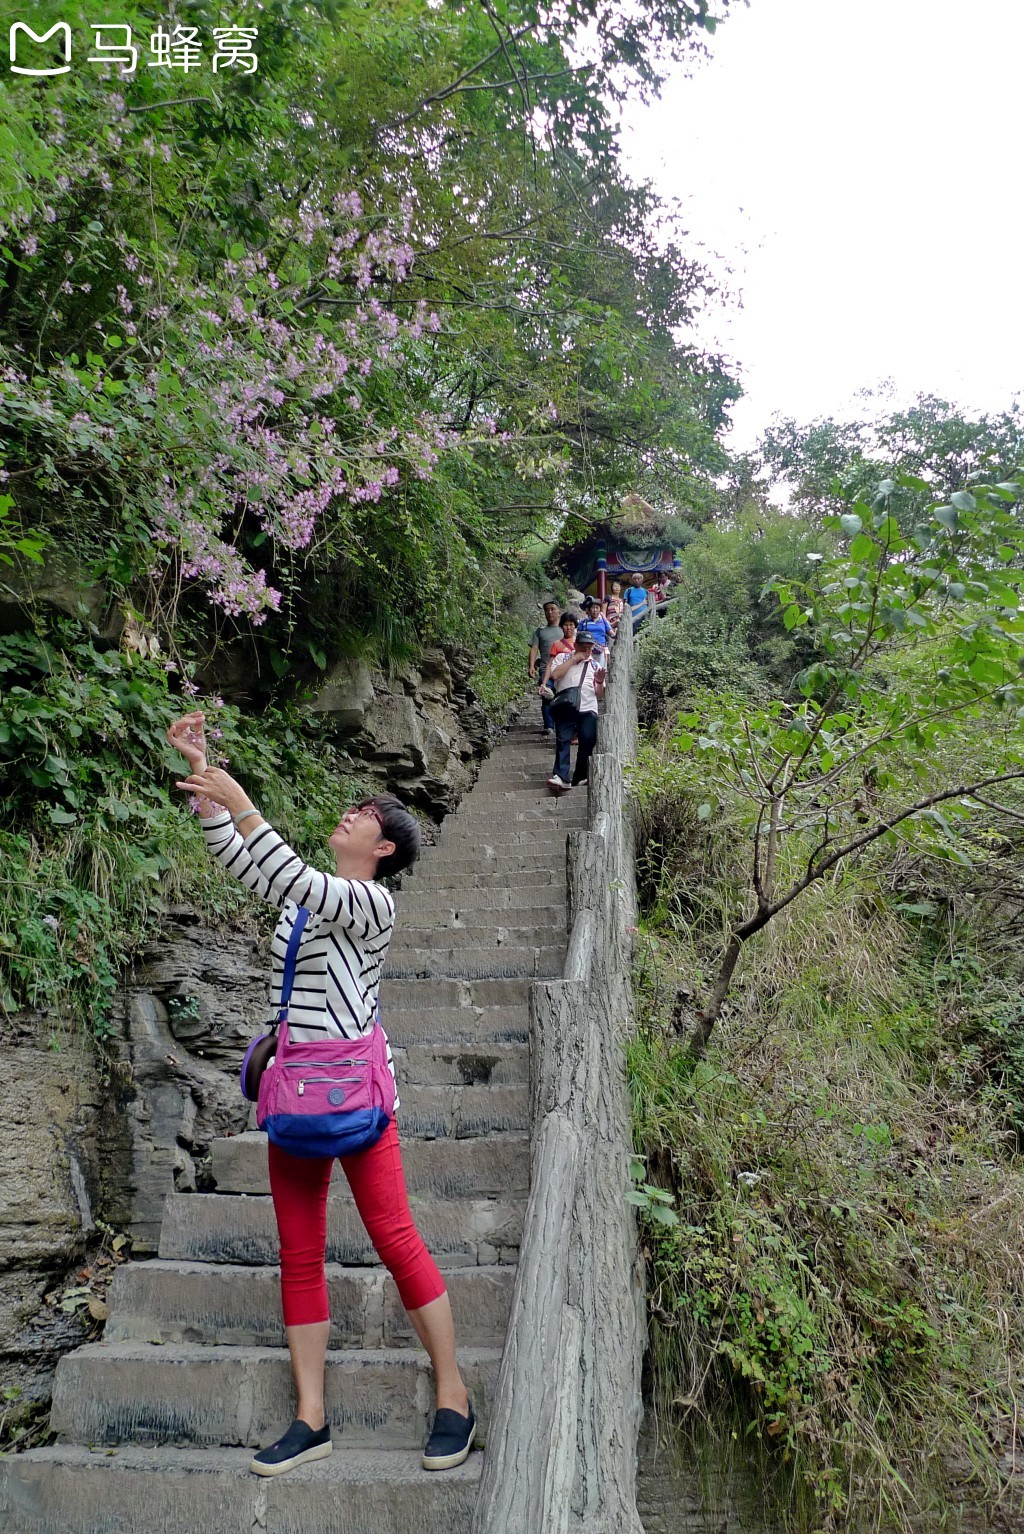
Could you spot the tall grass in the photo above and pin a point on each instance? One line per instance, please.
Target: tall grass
(843, 1287)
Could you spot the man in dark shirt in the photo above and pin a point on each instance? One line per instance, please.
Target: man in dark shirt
(540, 649)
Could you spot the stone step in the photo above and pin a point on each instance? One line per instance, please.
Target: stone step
(511, 864)
(547, 902)
(437, 1065)
(68, 1489)
(520, 769)
(516, 794)
(408, 996)
(523, 748)
(488, 855)
(407, 962)
(459, 1231)
(501, 835)
(518, 810)
(491, 931)
(541, 806)
(130, 1392)
(478, 1028)
(547, 879)
(498, 1167)
(163, 1301)
(463, 1112)
(454, 1108)
(458, 1110)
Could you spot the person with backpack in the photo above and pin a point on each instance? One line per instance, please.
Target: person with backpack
(328, 951)
(577, 686)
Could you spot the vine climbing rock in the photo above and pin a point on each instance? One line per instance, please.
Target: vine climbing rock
(157, 1422)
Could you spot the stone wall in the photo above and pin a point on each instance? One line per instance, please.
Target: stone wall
(562, 1442)
(58, 1150)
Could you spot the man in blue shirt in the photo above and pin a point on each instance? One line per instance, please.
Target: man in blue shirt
(594, 622)
(637, 599)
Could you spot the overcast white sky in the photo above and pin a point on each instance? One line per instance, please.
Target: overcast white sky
(858, 164)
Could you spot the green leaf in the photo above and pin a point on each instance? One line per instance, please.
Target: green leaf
(237, 252)
(663, 1214)
(62, 818)
(963, 501)
(851, 524)
(704, 811)
(912, 482)
(948, 517)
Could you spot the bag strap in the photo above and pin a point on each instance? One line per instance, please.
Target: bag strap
(568, 669)
(301, 918)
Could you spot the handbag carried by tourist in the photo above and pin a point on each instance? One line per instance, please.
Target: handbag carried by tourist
(567, 701)
(334, 1098)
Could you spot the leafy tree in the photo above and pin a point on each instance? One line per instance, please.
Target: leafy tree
(918, 632)
(182, 271)
(829, 462)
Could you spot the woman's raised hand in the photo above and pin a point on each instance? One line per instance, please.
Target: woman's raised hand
(187, 735)
(214, 785)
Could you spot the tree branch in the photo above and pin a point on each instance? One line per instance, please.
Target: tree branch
(448, 90)
(743, 930)
(181, 101)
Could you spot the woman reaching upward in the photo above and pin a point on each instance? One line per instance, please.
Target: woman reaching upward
(338, 948)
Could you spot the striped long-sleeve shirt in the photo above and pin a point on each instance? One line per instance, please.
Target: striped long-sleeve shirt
(342, 949)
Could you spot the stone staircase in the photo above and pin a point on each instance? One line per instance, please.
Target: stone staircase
(156, 1424)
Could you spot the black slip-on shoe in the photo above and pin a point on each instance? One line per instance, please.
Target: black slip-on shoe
(298, 1446)
(451, 1439)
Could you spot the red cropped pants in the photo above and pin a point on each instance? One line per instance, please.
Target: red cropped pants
(299, 1187)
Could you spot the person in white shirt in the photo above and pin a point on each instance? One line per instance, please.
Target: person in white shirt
(341, 948)
(577, 669)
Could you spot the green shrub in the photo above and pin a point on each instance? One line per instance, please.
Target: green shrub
(691, 653)
(839, 1286)
(96, 839)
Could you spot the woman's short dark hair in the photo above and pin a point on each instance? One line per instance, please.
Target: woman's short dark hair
(399, 827)
(568, 618)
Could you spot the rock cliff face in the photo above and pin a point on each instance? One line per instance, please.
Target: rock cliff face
(421, 728)
(55, 1152)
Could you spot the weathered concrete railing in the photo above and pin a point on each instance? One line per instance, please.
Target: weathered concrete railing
(561, 1447)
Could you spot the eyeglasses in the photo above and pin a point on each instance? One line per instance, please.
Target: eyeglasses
(364, 809)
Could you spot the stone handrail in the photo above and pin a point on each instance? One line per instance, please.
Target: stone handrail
(561, 1447)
